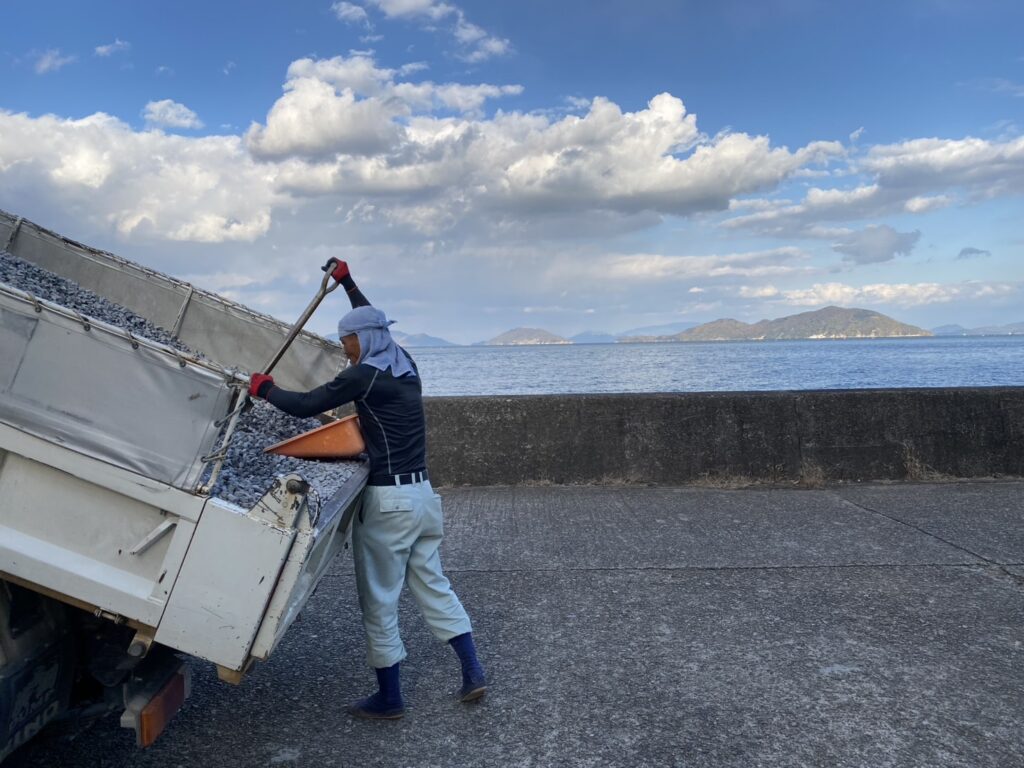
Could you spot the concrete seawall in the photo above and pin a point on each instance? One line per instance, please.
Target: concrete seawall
(806, 437)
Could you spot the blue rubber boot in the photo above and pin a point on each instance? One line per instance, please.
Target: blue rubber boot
(386, 703)
(474, 683)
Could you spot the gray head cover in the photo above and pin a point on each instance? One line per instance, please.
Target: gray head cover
(376, 347)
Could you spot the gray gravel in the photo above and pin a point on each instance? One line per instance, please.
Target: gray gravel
(46, 285)
(247, 471)
(243, 480)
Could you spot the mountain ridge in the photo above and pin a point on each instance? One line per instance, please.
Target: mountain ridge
(421, 340)
(1010, 329)
(830, 322)
(827, 323)
(525, 336)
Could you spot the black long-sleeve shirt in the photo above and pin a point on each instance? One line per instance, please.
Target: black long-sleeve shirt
(390, 409)
(390, 413)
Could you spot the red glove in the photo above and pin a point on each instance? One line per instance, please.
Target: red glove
(337, 268)
(256, 383)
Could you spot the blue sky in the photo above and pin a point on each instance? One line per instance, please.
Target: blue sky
(572, 165)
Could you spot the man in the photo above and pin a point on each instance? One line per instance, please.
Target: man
(397, 533)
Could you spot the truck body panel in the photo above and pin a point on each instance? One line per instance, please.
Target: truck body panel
(220, 598)
(79, 537)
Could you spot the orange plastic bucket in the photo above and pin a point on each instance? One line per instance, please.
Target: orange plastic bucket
(340, 439)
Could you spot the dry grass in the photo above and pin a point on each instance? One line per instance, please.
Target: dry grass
(726, 481)
(812, 475)
(918, 471)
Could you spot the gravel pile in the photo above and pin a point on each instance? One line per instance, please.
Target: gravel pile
(243, 479)
(46, 285)
(247, 472)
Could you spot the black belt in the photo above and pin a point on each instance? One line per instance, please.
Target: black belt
(407, 478)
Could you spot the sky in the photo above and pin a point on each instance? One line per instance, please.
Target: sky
(573, 166)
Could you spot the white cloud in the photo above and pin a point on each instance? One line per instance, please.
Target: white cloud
(914, 176)
(421, 160)
(898, 294)
(429, 9)
(51, 61)
(351, 13)
(167, 113)
(475, 43)
(478, 45)
(164, 71)
(348, 106)
(1002, 85)
(626, 269)
(358, 160)
(470, 98)
(412, 67)
(783, 217)
(149, 184)
(924, 203)
(314, 120)
(418, 160)
(229, 67)
(983, 167)
(347, 126)
(111, 48)
(357, 72)
(874, 244)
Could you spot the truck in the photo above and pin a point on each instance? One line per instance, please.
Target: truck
(118, 561)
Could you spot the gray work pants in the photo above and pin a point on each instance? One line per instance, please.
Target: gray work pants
(395, 541)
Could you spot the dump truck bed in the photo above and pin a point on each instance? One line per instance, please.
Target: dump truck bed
(107, 441)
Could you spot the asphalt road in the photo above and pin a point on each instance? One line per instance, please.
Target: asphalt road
(854, 626)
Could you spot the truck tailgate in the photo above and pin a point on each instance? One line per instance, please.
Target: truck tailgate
(248, 573)
(310, 556)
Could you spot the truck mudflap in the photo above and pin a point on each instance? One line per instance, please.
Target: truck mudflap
(248, 573)
(154, 694)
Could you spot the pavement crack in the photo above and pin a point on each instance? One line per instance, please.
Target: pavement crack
(917, 528)
(993, 568)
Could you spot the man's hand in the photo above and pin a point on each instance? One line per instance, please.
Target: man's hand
(337, 268)
(339, 271)
(260, 384)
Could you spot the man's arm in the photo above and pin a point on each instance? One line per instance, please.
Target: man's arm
(341, 273)
(349, 385)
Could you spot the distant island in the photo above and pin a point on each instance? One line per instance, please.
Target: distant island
(1013, 329)
(524, 336)
(421, 340)
(601, 337)
(409, 340)
(827, 323)
(593, 337)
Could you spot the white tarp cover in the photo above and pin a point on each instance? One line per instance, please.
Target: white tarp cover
(232, 335)
(93, 392)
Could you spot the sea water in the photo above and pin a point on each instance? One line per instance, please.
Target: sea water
(941, 361)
